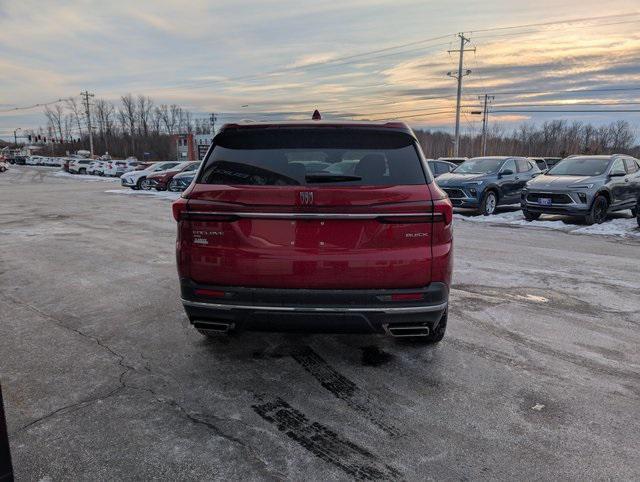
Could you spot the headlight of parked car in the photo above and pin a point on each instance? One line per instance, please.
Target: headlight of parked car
(583, 186)
(473, 183)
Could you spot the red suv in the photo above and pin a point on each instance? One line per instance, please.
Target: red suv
(315, 226)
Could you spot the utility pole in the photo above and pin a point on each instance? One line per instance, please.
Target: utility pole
(15, 137)
(85, 99)
(485, 120)
(463, 41)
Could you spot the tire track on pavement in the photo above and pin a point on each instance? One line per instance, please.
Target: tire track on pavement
(324, 443)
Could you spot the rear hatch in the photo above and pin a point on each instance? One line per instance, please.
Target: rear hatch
(267, 212)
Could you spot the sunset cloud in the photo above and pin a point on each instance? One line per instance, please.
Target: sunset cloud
(286, 57)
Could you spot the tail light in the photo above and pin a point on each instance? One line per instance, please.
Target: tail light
(179, 206)
(442, 211)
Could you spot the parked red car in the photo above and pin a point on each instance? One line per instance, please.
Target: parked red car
(160, 180)
(269, 239)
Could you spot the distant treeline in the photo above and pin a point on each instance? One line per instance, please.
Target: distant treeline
(133, 127)
(557, 138)
(137, 125)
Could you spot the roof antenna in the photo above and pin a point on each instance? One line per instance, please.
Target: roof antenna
(316, 115)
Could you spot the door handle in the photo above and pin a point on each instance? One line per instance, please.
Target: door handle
(517, 178)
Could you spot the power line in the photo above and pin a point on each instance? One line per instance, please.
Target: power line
(594, 111)
(558, 22)
(43, 104)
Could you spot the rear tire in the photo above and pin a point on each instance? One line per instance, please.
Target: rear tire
(82, 171)
(634, 211)
(638, 216)
(488, 203)
(529, 216)
(598, 212)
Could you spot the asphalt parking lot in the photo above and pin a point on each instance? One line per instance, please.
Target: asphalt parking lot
(537, 378)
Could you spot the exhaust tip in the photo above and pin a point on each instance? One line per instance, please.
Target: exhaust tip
(213, 326)
(400, 330)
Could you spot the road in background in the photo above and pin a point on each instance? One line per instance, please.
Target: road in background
(537, 378)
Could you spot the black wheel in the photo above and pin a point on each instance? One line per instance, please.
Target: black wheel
(634, 211)
(139, 183)
(638, 216)
(145, 184)
(598, 212)
(82, 171)
(488, 203)
(529, 216)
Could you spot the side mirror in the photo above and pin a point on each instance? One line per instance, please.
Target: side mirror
(506, 172)
(617, 174)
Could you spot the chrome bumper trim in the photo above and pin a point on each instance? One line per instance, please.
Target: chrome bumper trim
(390, 309)
(308, 215)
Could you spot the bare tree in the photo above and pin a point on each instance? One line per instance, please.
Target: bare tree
(130, 115)
(145, 106)
(76, 112)
(55, 117)
(104, 113)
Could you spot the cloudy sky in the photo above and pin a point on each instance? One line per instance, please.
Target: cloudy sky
(375, 59)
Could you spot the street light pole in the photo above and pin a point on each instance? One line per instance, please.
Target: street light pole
(15, 136)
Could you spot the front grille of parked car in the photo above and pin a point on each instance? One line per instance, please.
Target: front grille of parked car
(556, 198)
(454, 193)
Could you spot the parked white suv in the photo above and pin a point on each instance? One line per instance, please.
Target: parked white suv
(35, 161)
(119, 167)
(79, 166)
(133, 179)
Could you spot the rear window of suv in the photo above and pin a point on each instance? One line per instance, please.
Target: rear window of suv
(307, 156)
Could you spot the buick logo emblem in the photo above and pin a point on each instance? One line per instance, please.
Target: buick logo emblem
(306, 198)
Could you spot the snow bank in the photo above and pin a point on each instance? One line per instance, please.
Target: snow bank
(612, 227)
(172, 196)
(83, 177)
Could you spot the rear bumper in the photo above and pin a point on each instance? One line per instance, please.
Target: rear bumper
(314, 311)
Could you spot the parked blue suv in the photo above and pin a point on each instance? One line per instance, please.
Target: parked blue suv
(483, 183)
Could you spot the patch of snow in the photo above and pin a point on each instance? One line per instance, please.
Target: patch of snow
(172, 196)
(611, 227)
(86, 177)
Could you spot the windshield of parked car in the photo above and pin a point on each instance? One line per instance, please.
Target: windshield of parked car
(191, 167)
(480, 165)
(580, 166)
(302, 156)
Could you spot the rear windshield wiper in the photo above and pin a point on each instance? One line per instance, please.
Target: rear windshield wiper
(328, 177)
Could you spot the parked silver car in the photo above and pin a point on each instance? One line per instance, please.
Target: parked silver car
(589, 186)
